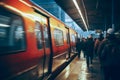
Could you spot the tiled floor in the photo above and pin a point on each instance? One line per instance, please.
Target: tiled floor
(77, 70)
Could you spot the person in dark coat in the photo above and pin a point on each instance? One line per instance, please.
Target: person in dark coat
(89, 50)
(78, 47)
(103, 43)
(110, 57)
(97, 43)
(84, 46)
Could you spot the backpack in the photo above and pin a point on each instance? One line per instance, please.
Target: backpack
(111, 54)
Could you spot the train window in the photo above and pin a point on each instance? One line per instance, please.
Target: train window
(38, 35)
(73, 37)
(12, 34)
(45, 31)
(58, 37)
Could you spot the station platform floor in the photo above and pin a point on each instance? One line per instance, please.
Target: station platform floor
(77, 70)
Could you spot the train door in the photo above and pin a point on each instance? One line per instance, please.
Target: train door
(72, 41)
(43, 47)
(38, 33)
(68, 42)
(46, 44)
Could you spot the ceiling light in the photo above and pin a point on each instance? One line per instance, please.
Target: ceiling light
(4, 25)
(76, 5)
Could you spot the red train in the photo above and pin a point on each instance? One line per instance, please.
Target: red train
(33, 43)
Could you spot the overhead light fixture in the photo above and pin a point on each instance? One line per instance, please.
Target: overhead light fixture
(4, 25)
(23, 1)
(79, 10)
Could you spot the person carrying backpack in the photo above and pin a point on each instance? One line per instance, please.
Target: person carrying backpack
(108, 37)
(111, 59)
(97, 43)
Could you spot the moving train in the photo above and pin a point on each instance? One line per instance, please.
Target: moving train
(33, 43)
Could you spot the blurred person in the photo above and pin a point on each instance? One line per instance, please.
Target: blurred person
(109, 35)
(89, 50)
(97, 43)
(106, 54)
(84, 46)
(78, 47)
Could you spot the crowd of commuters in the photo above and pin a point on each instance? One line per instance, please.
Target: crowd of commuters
(106, 49)
(87, 46)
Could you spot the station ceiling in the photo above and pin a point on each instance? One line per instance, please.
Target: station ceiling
(98, 14)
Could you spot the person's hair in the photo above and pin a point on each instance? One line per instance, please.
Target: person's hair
(110, 31)
(101, 37)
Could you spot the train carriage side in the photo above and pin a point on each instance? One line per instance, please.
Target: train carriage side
(25, 41)
(24, 48)
(59, 42)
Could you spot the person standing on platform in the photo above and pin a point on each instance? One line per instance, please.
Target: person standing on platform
(78, 47)
(103, 43)
(110, 56)
(97, 43)
(84, 46)
(89, 50)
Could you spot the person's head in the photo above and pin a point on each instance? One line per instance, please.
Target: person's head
(110, 33)
(117, 35)
(101, 37)
(90, 36)
(78, 40)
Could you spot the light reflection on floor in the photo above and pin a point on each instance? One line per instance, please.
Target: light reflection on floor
(82, 74)
(67, 71)
(77, 70)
